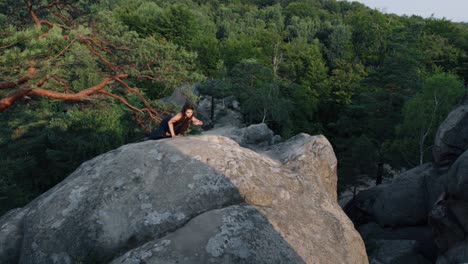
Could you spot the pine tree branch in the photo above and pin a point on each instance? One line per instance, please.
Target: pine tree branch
(40, 22)
(21, 80)
(26, 90)
(95, 53)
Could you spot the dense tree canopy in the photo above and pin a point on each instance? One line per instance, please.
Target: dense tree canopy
(81, 77)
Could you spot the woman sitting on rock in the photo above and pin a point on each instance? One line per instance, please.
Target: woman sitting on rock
(176, 125)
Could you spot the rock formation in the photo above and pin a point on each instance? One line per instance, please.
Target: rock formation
(451, 139)
(226, 112)
(196, 199)
(431, 200)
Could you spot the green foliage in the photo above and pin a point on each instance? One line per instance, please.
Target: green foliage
(217, 88)
(370, 30)
(439, 53)
(238, 47)
(422, 115)
(345, 81)
(255, 87)
(304, 65)
(302, 117)
(305, 28)
(353, 148)
(303, 9)
(339, 45)
(208, 52)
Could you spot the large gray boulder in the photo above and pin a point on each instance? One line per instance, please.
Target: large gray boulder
(199, 199)
(404, 201)
(449, 216)
(232, 233)
(452, 136)
(11, 226)
(449, 221)
(458, 178)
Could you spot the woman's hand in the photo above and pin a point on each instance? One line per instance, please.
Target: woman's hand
(198, 122)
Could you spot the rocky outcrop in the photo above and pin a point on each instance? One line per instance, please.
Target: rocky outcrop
(197, 199)
(232, 233)
(257, 136)
(11, 227)
(433, 195)
(452, 136)
(219, 112)
(307, 155)
(223, 117)
(449, 216)
(445, 226)
(458, 178)
(403, 202)
(361, 208)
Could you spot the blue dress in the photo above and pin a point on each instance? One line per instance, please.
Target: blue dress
(163, 128)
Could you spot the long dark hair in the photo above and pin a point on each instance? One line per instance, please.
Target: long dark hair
(183, 124)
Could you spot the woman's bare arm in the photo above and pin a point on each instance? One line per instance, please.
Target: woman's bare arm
(197, 122)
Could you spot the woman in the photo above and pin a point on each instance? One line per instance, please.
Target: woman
(176, 125)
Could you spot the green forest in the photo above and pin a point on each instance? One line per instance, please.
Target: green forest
(79, 78)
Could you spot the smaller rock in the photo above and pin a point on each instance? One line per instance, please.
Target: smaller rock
(226, 112)
(452, 136)
(255, 136)
(258, 134)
